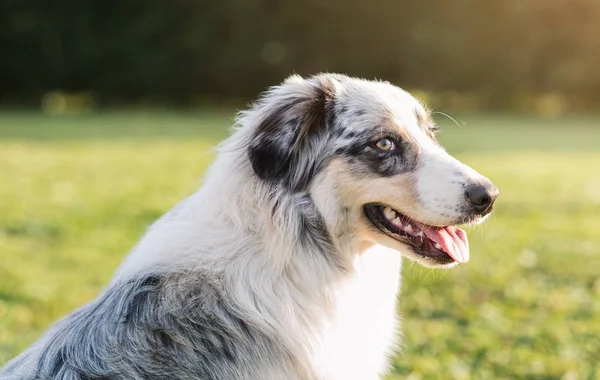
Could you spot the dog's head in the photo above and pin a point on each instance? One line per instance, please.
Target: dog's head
(367, 155)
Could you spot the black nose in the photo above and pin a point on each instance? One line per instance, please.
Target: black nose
(482, 196)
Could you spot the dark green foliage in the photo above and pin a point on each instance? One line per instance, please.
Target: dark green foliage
(182, 50)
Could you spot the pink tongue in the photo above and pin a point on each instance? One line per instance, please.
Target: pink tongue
(453, 241)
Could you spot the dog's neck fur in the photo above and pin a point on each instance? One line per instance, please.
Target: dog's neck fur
(237, 229)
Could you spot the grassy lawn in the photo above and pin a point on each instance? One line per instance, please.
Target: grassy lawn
(76, 192)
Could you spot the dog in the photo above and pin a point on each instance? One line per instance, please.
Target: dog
(285, 264)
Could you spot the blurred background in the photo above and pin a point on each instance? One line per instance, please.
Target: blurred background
(538, 55)
(109, 111)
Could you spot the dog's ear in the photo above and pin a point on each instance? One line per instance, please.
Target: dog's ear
(293, 125)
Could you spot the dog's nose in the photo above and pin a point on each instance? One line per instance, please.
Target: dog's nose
(482, 196)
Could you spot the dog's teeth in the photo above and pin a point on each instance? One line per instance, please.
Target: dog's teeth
(389, 213)
(408, 228)
(437, 246)
(419, 234)
(397, 222)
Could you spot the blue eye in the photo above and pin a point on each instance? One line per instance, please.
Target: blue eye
(386, 144)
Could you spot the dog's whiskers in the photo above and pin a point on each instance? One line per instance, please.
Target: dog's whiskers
(449, 117)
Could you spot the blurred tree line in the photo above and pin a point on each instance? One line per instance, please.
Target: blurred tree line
(485, 54)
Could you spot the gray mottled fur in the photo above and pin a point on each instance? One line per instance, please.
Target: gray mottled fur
(178, 326)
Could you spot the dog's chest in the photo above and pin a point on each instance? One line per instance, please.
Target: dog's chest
(363, 332)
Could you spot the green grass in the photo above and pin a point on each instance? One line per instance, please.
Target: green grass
(76, 192)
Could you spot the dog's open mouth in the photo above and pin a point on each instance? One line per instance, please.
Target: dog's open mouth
(441, 244)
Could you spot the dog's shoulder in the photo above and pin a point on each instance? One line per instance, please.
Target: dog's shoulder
(152, 327)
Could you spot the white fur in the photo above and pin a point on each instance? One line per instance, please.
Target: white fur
(345, 332)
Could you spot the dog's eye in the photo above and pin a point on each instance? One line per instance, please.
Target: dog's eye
(386, 144)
